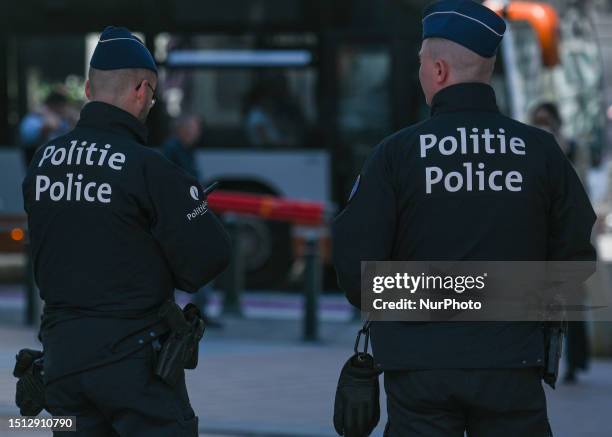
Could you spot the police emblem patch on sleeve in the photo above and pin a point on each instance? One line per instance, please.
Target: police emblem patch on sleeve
(193, 191)
(355, 188)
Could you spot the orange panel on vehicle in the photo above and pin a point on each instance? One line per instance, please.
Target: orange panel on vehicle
(543, 19)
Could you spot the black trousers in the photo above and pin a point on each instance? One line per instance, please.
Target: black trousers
(123, 399)
(447, 403)
(577, 346)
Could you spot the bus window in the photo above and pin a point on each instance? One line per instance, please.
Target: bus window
(245, 96)
(364, 101)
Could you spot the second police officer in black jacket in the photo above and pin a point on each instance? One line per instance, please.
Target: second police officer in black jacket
(115, 228)
(423, 196)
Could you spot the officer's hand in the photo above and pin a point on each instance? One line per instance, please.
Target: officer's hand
(24, 360)
(357, 408)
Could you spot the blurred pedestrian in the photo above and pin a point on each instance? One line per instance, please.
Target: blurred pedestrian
(51, 120)
(546, 116)
(413, 202)
(259, 125)
(180, 147)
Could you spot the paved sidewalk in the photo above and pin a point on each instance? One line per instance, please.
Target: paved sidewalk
(256, 378)
(243, 386)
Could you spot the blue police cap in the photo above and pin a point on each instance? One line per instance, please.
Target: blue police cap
(465, 22)
(118, 49)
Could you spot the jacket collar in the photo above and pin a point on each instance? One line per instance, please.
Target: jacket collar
(471, 96)
(100, 115)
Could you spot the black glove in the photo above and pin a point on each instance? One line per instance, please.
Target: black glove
(357, 408)
(30, 391)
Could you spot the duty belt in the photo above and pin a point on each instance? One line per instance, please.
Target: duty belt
(126, 346)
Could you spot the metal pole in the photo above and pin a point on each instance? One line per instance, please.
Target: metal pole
(312, 279)
(235, 273)
(32, 311)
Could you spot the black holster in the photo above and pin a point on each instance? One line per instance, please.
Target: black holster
(30, 390)
(181, 347)
(357, 407)
(553, 347)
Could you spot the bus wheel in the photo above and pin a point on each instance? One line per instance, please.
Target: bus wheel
(267, 252)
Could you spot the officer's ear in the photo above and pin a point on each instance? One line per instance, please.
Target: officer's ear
(88, 89)
(141, 91)
(441, 71)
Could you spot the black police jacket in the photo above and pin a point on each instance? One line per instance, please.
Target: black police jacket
(114, 229)
(466, 184)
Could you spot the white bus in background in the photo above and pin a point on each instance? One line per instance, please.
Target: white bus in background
(218, 81)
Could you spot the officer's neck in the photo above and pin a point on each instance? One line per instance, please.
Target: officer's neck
(465, 96)
(121, 104)
(451, 83)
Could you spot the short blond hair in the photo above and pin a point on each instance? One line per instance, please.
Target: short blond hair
(115, 83)
(465, 65)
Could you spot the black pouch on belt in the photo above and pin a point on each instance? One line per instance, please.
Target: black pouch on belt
(180, 349)
(196, 322)
(357, 404)
(30, 390)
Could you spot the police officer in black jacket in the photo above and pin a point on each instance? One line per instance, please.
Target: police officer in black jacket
(466, 184)
(115, 228)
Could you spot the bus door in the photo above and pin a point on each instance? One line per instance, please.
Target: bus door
(373, 82)
(256, 96)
